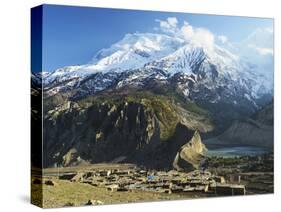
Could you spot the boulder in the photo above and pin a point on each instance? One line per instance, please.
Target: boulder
(94, 202)
(49, 183)
(67, 176)
(112, 187)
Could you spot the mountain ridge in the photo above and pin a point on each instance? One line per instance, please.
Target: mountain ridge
(144, 52)
(139, 128)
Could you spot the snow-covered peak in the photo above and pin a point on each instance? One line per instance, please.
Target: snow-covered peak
(189, 57)
(139, 54)
(146, 42)
(134, 51)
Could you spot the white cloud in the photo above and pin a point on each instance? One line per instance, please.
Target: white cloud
(187, 31)
(198, 36)
(172, 21)
(169, 25)
(257, 48)
(190, 34)
(261, 40)
(222, 38)
(265, 51)
(261, 50)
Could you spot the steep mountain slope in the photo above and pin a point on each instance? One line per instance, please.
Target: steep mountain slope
(139, 128)
(254, 131)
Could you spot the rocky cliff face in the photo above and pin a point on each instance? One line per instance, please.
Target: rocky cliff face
(191, 155)
(142, 128)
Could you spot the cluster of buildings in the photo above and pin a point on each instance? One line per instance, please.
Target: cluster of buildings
(117, 180)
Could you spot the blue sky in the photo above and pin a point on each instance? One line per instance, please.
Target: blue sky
(72, 35)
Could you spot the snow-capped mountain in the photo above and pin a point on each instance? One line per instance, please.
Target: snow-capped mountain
(132, 52)
(140, 59)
